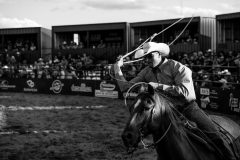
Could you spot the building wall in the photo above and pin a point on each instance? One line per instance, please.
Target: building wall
(208, 33)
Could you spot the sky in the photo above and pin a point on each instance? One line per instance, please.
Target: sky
(48, 13)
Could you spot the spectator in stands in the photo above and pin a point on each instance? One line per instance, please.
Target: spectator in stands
(7, 59)
(70, 72)
(84, 58)
(32, 75)
(101, 44)
(40, 72)
(55, 60)
(200, 58)
(80, 44)
(12, 60)
(185, 60)
(9, 46)
(46, 72)
(195, 41)
(55, 72)
(5, 72)
(18, 57)
(206, 82)
(62, 72)
(79, 68)
(189, 39)
(63, 45)
(18, 45)
(23, 71)
(70, 59)
(40, 63)
(230, 59)
(26, 46)
(87, 61)
(224, 84)
(73, 45)
(64, 61)
(237, 62)
(221, 58)
(208, 58)
(33, 47)
(194, 57)
(11, 71)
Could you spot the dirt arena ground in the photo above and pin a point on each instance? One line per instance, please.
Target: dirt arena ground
(60, 127)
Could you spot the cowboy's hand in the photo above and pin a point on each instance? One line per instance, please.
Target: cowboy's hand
(154, 84)
(119, 63)
(117, 66)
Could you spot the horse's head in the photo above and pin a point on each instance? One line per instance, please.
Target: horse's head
(144, 119)
(155, 112)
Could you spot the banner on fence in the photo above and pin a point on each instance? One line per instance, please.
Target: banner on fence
(223, 100)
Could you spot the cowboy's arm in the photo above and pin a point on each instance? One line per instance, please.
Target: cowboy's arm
(183, 83)
(122, 82)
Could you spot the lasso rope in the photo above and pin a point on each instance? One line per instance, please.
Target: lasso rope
(150, 38)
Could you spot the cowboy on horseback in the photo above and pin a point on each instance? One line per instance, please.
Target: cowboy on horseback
(176, 78)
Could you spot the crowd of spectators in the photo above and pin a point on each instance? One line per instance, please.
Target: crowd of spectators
(208, 67)
(101, 44)
(187, 40)
(60, 67)
(20, 45)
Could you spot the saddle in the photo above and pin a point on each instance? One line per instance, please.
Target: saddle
(232, 142)
(197, 135)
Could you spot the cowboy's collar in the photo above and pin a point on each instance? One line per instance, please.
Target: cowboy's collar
(159, 66)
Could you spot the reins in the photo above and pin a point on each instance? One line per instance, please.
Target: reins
(153, 145)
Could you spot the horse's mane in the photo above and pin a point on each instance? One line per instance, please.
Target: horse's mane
(175, 100)
(169, 103)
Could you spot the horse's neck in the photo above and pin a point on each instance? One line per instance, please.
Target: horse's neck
(174, 145)
(170, 146)
(177, 146)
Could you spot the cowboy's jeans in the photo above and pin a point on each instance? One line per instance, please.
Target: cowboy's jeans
(205, 124)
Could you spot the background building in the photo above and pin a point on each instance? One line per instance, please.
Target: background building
(103, 41)
(228, 32)
(26, 43)
(199, 35)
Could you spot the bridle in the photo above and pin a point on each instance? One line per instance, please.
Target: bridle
(141, 131)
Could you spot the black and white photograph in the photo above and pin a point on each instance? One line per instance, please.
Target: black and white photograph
(119, 80)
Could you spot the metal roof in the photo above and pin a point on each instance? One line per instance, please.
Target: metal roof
(228, 16)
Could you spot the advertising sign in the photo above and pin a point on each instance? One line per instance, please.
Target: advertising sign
(107, 89)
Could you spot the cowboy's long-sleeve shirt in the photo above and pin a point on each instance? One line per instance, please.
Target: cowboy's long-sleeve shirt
(171, 76)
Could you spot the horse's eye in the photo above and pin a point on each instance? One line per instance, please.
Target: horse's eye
(149, 101)
(148, 104)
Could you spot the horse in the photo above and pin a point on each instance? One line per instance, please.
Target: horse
(154, 112)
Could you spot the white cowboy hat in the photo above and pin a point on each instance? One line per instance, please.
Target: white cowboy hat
(139, 54)
(150, 47)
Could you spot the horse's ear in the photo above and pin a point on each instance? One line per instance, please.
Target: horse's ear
(150, 89)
